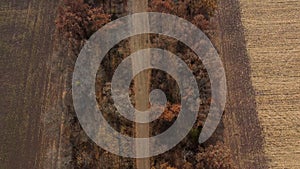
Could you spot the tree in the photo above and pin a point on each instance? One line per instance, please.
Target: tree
(78, 20)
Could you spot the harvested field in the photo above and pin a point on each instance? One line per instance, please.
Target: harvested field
(272, 33)
(32, 82)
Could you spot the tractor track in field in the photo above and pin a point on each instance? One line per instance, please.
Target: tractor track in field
(243, 132)
(32, 86)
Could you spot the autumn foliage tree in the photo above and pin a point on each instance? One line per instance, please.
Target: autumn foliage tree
(78, 20)
(196, 11)
(215, 156)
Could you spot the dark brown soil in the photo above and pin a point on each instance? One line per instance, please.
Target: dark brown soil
(27, 82)
(243, 132)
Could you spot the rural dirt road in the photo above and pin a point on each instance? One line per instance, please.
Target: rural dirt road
(142, 80)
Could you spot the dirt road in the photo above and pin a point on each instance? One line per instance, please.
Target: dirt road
(142, 80)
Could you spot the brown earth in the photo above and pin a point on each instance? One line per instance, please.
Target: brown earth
(32, 82)
(242, 128)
